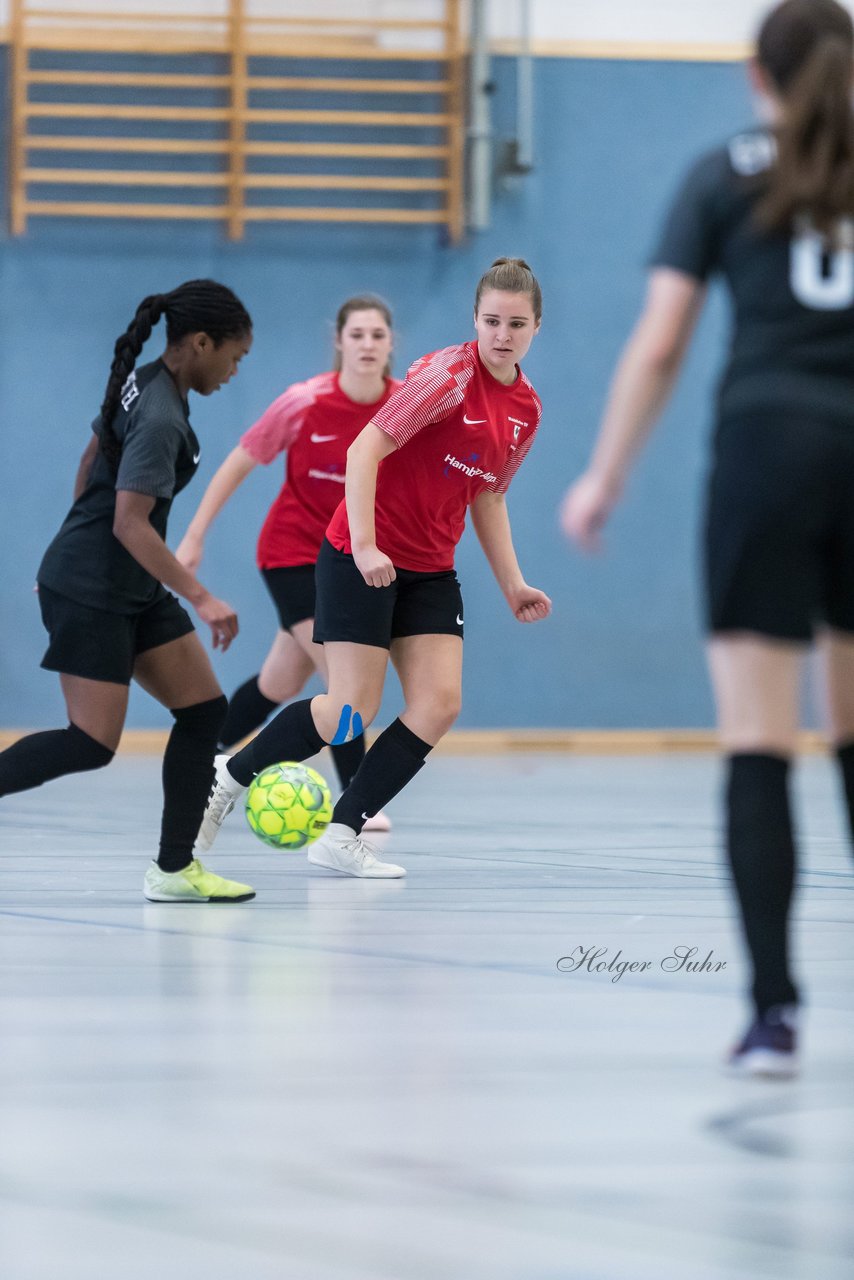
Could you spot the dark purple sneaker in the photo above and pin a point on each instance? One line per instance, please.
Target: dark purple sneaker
(770, 1047)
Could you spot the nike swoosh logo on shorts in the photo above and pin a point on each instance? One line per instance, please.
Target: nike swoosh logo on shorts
(196, 456)
(459, 621)
(322, 439)
(472, 422)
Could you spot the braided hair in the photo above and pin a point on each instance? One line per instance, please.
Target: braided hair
(198, 306)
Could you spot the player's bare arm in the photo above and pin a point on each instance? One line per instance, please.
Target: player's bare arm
(492, 526)
(226, 480)
(360, 490)
(134, 531)
(641, 387)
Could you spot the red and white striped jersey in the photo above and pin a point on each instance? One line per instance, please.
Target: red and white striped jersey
(316, 423)
(459, 431)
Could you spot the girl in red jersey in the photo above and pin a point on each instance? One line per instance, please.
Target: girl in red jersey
(450, 439)
(315, 422)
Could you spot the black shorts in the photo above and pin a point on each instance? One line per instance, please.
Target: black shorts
(99, 645)
(292, 590)
(416, 604)
(779, 541)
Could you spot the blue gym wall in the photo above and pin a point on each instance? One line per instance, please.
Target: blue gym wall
(624, 646)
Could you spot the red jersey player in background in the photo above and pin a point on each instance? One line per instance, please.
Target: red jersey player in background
(449, 440)
(315, 422)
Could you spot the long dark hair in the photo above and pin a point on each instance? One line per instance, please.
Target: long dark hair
(806, 47)
(198, 306)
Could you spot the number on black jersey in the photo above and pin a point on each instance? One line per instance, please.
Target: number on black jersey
(821, 278)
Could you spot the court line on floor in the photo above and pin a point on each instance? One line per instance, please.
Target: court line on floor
(443, 962)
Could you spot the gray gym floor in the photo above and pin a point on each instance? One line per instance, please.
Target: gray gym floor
(347, 1080)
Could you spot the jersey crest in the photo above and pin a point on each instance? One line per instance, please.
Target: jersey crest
(752, 153)
(130, 391)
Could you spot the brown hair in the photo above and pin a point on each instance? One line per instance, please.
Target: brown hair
(511, 275)
(806, 48)
(362, 302)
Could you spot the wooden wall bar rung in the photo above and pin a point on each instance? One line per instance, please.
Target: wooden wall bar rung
(261, 44)
(115, 111)
(174, 146)
(253, 181)
(127, 209)
(105, 40)
(258, 44)
(358, 24)
(130, 79)
(254, 166)
(355, 150)
(85, 209)
(339, 182)
(149, 18)
(300, 84)
(340, 84)
(280, 213)
(126, 177)
(376, 119)
(110, 17)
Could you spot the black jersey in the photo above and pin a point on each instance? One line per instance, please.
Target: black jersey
(160, 455)
(793, 341)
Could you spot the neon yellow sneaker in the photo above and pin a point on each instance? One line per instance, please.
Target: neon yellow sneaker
(192, 884)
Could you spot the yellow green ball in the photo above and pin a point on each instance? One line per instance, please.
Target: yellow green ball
(288, 805)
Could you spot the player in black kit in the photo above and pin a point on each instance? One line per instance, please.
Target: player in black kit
(103, 582)
(772, 211)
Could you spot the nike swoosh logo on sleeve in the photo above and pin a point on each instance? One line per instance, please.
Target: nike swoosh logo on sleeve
(321, 439)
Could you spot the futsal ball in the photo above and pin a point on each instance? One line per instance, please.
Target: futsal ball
(288, 806)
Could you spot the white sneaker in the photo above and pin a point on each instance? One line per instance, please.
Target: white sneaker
(225, 792)
(379, 822)
(340, 849)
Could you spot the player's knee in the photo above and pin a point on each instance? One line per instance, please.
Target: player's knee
(449, 709)
(353, 718)
(441, 711)
(88, 752)
(283, 689)
(202, 720)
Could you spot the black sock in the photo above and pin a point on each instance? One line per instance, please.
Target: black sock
(348, 756)
(290, 736)
(187, 777)
(845, 759)
(762, 856)
(392, 761)
(42, 756)
(247, 711)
